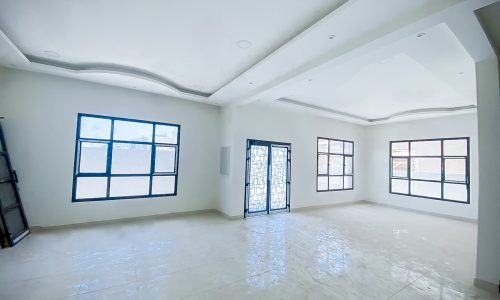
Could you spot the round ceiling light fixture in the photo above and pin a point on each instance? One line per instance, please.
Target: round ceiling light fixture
(420, 34)
(244, 44)
(50, 53)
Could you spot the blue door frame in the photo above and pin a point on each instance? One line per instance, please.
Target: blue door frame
(266, 175)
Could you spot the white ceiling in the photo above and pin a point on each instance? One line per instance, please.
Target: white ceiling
(373, 67)
(191, 42)
(432, 71)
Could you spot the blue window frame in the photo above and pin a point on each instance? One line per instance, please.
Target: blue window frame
(437, 169)
(119, 158)
(335, 165)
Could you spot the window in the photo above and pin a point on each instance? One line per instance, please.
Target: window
(335, 165)
(435, 169)
(118, 158)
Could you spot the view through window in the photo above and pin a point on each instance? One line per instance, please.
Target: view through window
(117, 158)
(433, 168)
(335, 168)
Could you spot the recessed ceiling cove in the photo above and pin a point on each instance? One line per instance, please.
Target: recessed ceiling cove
(423, 71)
(191, 45)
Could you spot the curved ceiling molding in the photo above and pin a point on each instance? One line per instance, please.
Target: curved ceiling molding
(434, 110)
(407, 113)
(323, 109)
(117, 70)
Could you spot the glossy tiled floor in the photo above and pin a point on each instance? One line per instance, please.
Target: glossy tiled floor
(353, 252)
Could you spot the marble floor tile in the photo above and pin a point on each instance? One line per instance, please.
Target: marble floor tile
(359, 251)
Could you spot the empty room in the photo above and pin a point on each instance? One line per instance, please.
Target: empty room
(320, 149)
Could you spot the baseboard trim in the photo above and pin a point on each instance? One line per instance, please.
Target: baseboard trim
(314, 207)
(297, 209)
(228, 217)
(487, 286)
(239, 217)
(424, 212)
(113, 221)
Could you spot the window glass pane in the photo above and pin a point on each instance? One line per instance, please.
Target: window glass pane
(347, 182)
(322, 183)
(348, 148)
(7, 195)
(400, 149)
(454, 169)
(4, 169)
(426, 148)
(323, 145)
(93, 157)
(457, 192)
(399, 186)
(129, 186)
(165, 159)
(426, 189)
(336, 147)
(455, 147)
(323, 164)
(95, 128)
(426, 168)
(163, 185)
(14, 219)
(91, 187)
(400, 167)
(166, 134)
(131, 158)
(336, 165)
(348, 165)
(133, 131)
(336, 183)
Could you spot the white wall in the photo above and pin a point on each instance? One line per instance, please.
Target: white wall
(301, 130)
(40, 125)
(488, 248)
(377, 151)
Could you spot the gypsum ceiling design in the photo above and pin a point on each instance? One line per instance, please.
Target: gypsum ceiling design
(219, 54)
(192, 48)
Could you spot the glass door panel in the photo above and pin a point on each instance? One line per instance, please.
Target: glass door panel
(279, 176)
(257, 198)
(267, 180)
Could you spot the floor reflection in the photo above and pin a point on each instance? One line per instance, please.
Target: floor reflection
(267, 251)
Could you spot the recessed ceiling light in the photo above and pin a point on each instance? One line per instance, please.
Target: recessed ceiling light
(421, 34)
(332, 36)
(244, 44)
(51, 53)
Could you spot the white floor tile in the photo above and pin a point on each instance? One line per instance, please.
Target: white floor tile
(354, 252)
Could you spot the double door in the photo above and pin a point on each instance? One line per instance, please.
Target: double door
(267, 180)
(13, 223)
